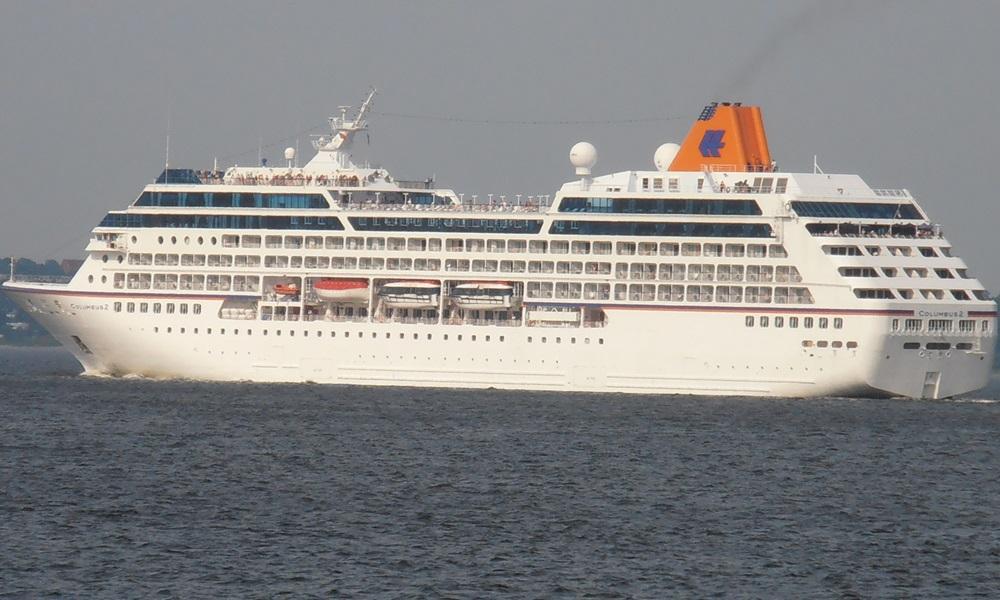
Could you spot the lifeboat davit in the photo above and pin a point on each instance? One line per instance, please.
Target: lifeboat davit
(287, 289)
(484, 295)
(342, 290)
(410, 294)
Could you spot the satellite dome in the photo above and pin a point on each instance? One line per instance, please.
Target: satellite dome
(289, 153)
(583, 156)
(664, 155)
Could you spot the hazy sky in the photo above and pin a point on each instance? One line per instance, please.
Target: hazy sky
(902, 93)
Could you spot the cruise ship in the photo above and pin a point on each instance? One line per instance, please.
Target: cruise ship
(714, 273)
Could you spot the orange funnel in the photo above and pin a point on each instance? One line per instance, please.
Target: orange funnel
(726, 137)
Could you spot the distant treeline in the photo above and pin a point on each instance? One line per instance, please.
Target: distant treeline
(27, 266)
(16, 327)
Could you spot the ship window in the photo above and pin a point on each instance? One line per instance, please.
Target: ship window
(793, 322)
(735, 250)
(660, 206)
(216, 221)
(934, 325)
(654, 228)
(911, 346)
(842, 250)
(874, 293)
(118, 306)
(807, 343)
(985, 327)
(779, 321)
(856, 210)
(928, 252)
(144, 307)
(537, 246)
(763, 321)
(748, 321)
(807, 322)
(821, 344)
(838, 323)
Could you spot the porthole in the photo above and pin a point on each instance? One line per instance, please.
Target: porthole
(90, 278)
(213, 240)
(187, 240)
(173, 239)
(134, 239)
(104, 278)
(121, 259)
(104, 258)
(159, 239)
(201, 240)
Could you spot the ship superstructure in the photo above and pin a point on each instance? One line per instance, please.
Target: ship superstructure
(715, 273)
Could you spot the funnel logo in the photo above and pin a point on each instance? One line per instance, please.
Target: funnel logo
(711, 143)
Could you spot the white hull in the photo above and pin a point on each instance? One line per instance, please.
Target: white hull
(689, 351)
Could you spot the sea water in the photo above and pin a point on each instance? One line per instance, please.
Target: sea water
(134, 488)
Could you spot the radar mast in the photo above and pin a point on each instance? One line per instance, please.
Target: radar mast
(343, 133)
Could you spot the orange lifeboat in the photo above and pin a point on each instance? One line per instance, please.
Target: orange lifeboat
(342, 290)
(287, 289)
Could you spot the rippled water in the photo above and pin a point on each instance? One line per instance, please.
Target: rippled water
(127, 488)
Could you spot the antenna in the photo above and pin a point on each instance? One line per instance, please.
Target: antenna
(816, 168)
(166, 162)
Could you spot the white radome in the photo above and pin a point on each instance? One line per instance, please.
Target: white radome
(665, 155)
(289, 153)
(583, 156)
